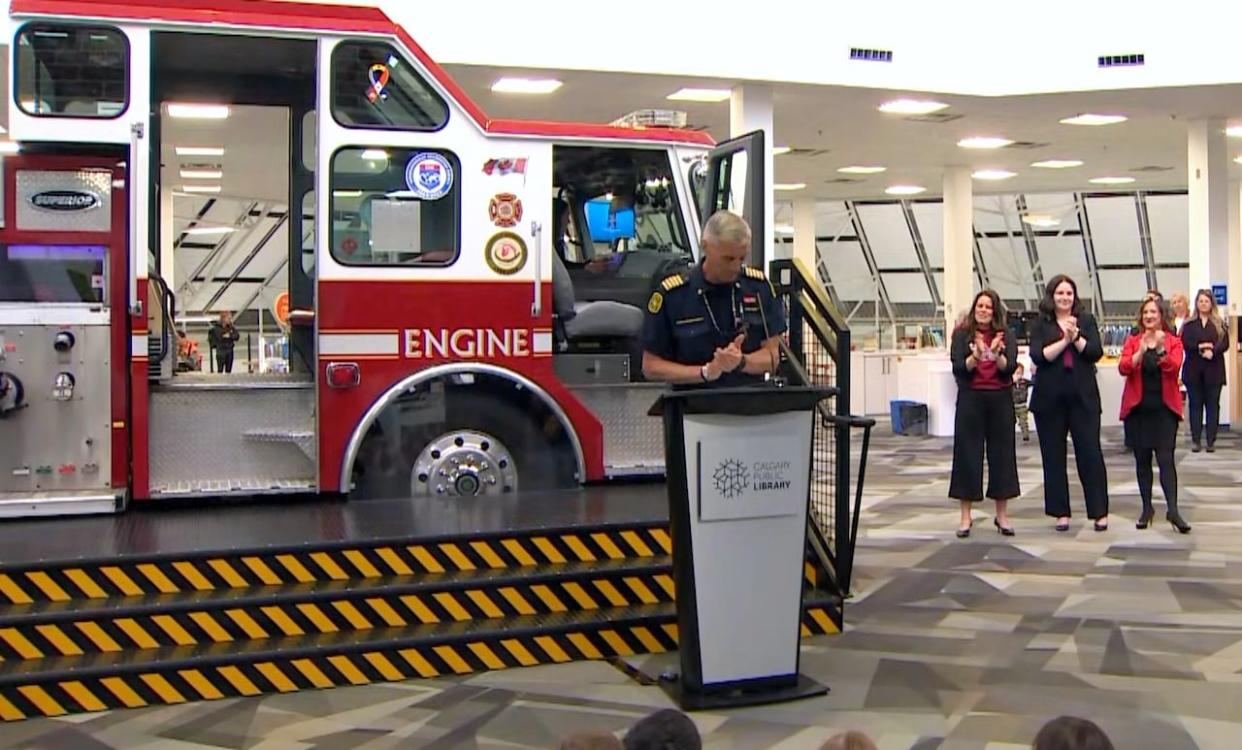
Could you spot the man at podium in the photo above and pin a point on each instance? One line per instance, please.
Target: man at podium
(718, 323)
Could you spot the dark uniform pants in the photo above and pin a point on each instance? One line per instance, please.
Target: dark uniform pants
(1070, 417)
(984, 422)
(224, 360)
(1204, 398)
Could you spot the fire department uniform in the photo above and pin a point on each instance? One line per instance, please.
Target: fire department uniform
(688, 318)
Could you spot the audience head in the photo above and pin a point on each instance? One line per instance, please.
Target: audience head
(1071, 733)
(1018, 370)
(1061, 294)
(591, 740)
(1154, 315)
(986, 311)
(1180, 305)
(1153, 294)
(666, 729)
(849, 741)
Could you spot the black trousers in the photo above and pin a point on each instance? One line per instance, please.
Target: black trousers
(1204, 398)
(1072, 418)
(224, 360)
(1168, 475)
(984, 423)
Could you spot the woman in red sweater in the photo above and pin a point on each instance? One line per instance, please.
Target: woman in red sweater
(1151, 406)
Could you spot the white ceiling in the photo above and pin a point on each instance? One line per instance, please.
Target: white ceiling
(255, 161)
(839, 126)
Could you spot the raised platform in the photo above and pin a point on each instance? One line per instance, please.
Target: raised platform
(174, 603)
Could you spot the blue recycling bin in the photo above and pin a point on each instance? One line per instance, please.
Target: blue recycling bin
(908, 417)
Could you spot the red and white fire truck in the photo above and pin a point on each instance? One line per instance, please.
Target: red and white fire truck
(465, 293)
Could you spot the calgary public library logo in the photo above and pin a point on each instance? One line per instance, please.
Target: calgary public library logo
(731, 478)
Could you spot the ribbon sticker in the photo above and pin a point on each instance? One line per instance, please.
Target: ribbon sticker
(378, 75)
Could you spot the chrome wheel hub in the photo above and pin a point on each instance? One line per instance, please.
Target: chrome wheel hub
(464, 463)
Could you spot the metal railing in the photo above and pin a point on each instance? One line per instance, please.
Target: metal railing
(817, 350)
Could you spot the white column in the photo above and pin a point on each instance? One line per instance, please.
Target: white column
(1231, 404)
(804, 233)
(1207, 171)
(959, 242)
(165, 247)
(750, 108)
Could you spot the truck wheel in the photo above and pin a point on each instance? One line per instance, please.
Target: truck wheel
(489, 447)
(464, 462)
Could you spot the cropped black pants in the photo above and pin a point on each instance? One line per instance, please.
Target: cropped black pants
(984, 426)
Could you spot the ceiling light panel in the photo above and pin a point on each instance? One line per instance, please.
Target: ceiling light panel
(912, 107)
(905, 189)
(1057, 164)
(1111, 180)
(861, 169)
(789, 186)
(984, 142)
(200, 188)
(779, 150)
(199, 150)
(525, 85)
(199, 111)
(993, 174)
(201, 174)
(1091, 119)
(700, 95)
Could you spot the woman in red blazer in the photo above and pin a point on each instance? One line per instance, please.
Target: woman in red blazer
(1151, 406)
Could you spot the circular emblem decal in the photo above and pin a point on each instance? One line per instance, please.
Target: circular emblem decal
(655, 303)
(506, 253)
(428, 176)
(505, 210)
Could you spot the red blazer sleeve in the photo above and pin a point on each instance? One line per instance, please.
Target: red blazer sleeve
(1126, 363)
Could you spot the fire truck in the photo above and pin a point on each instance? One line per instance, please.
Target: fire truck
(465, 294)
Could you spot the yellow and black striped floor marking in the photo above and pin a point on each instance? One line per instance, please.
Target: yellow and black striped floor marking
(159, 625)
(212, 572)
(89, 690)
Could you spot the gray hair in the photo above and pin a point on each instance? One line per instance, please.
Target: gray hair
(726, 227)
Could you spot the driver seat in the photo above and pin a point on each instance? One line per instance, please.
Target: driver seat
(590, 320)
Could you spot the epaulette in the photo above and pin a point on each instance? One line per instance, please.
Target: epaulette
(672, 282)
(755, 273)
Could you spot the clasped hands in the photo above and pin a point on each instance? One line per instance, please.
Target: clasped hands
(984, 352)
(727, 358)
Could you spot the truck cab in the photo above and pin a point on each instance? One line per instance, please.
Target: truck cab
(428, 300)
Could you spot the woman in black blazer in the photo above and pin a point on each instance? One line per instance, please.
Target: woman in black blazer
(983, 362)
(1065, 345)
(1205, 340)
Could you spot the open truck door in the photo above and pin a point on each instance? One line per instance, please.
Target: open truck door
(735, 182)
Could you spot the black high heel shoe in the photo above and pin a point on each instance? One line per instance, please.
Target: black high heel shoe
(1178, 522)
(963, 533)
(1144, 519)
(1004, 530)
(1100, 526)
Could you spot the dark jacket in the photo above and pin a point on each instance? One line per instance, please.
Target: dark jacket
(1052, 381)
(222, 338)
(959, 350)
(1197, 370)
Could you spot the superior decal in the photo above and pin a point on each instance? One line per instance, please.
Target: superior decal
(466, 343)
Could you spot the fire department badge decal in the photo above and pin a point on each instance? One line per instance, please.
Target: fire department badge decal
(505, 210)
(505, 253)
(429, 176)
(655, 303)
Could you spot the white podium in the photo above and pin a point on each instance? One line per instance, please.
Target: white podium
(739, 464)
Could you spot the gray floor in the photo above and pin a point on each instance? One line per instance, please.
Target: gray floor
(949, 644)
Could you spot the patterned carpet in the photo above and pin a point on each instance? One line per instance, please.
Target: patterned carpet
(949, 644)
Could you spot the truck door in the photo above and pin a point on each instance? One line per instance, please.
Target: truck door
(734, 181)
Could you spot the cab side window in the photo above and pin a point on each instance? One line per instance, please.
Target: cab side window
(374, 87)
(71, 71)
(395, 207)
